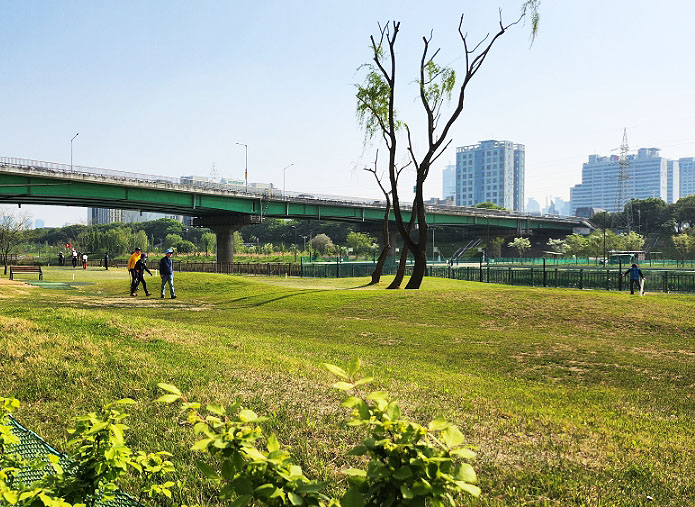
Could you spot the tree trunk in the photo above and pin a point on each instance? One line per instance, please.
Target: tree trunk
(400, 273)
(419, 268)
(376, 274)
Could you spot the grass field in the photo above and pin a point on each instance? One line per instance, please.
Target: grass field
(572, 397)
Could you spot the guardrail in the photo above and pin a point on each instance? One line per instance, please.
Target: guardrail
(39, 166)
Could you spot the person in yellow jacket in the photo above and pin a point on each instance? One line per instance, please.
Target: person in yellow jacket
(134, 258)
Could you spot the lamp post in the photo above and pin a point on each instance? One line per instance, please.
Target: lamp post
(304, 238)
(71, 140)
(246, 164)
(283, 177)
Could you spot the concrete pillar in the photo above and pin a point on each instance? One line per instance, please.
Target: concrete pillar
(224, 227)
(225, 242)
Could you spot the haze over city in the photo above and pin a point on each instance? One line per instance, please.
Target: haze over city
(170, 87)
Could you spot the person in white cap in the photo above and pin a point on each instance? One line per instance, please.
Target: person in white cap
(166, 271)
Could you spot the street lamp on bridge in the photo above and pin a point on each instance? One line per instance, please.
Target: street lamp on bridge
(246, 164)
(283, 177)
(71, 140)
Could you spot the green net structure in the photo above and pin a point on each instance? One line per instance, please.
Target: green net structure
(32, 446)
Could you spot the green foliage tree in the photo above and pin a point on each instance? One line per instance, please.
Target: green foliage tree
(602, 219)
(140, 240)
(631, 241)
(322, 244)
(489, 205)
(171, 239)
(684, 244)
(557, 245)
(520, 245)
(684, 212)
(496, 247)
(183, 246)
(208, 241)
(359, 242)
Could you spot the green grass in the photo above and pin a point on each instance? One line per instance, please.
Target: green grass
(572, 397)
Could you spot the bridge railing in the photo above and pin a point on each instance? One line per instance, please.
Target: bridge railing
(269, 192)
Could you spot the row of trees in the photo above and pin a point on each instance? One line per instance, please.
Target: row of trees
(653, 216)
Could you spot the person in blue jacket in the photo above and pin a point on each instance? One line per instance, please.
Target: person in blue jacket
(636, 277)
(166, 271)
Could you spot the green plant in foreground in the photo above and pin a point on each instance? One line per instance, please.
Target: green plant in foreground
(409, 464)
(99, 459)
(244, 473)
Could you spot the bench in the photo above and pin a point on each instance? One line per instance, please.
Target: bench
(20, 270)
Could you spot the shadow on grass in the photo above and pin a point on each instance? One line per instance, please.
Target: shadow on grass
(255, 301)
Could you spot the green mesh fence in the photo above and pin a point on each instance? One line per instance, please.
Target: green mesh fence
(664, 280)
(32, 446)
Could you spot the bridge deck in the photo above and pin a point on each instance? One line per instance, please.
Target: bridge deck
(34, 182)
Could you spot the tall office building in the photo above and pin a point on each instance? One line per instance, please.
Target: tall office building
(104, 215)
(491, 171)
(648, 177)
(686, 168)
(449, 182)
(672, 181)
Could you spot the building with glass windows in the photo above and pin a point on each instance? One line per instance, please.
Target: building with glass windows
(491, 171)
(449, 182)
(686, 168)
(648, 176)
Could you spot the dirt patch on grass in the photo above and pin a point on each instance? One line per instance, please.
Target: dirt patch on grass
(129, 302)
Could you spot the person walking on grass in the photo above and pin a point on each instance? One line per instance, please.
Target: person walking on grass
(636, 278)
(140, 268)
(166, 271)
(131, 268)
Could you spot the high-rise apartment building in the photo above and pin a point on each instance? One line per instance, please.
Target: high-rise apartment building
(672, 181)
(686, 168)
(647, 177)
(491, 171)
(109, 216)
(449, 182)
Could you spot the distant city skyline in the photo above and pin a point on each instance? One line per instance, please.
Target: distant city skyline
(146, 98)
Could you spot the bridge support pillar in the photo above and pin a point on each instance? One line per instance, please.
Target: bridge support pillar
(224, 227)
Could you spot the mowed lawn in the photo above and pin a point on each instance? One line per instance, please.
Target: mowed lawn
(571, 397)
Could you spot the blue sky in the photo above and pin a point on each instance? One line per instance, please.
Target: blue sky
(169, 87)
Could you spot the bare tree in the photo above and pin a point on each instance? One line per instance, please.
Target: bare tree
(12, 229)
(376, 111)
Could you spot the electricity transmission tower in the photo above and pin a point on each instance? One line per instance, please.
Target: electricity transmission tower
(622, 219)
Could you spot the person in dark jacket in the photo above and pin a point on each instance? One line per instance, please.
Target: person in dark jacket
(140, 268)
(106, 260)
(636, 277)
(166, 271)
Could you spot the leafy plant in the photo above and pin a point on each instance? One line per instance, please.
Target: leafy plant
(243, 472)
(409, 464)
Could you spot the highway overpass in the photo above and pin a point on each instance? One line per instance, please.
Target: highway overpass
(227, 207)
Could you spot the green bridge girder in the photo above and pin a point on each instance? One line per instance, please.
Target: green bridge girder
(78, 190)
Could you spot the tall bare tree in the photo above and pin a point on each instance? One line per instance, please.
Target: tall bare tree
(377, 113)
(12, 229)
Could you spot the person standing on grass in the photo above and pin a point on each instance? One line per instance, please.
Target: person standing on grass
(131, 268)
(74, 258)
(106, 261)
(636, 277)
(84, 261)
(140, 268)
(166, 271)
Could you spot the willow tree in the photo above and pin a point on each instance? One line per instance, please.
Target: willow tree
(376, 112)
